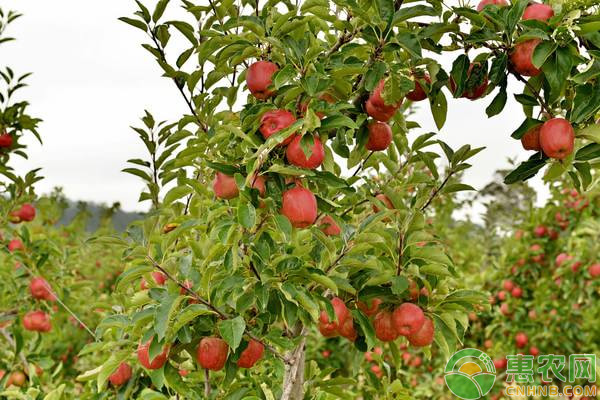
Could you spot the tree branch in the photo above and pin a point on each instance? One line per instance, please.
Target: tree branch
(437, 190)
(543, 103)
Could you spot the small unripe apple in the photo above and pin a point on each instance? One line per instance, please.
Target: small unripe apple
(296, 156)
(408, 319)
(121, 375)
(259, 77)
(594, 270)
(251, 354)
(299, 205)
(531, 139)
(418, 93)
(540, 12)
(369, 308)
(274, 121)
(521, 340)
(483, 3)
(380, 136)
(15, 245)
(143, 355)
(183, 373)
(212, 353)
(521, 58)
(424, 336)
(224, 186)
(385, 200)
(384, 327)
(37, 321)
(557, 138)
(329, 226)
(40, 289)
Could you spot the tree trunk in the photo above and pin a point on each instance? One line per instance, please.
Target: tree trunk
(293, 381)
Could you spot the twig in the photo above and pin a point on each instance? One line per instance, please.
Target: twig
(543, 103)
(436, 191)
(206, 383)
(362, 164)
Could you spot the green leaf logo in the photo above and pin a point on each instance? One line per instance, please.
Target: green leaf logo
(470, 374)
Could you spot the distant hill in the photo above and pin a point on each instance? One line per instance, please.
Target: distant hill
(121, 219)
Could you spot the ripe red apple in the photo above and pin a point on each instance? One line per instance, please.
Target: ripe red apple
(483, 3)
(6, 140)
(534, 351)
(504, 309)
(376, 369)
(15, 245)
(274, 121)
(535, 247)
(380, 136)
(332, 328)
(183, 372)
(27, 212)
(418, 93)
(212, 353)
(508, 285)
(121, 375)
(408, 319)
(17, 378)
(385, 200)
(251, 354)
(521, 58)
(594, 270)
(517, 292)
(576, 266)
(475, 88)
(521, 340)
(371, 309)
(557, 138)
(295, 155)
(553, 234)
(424, 336)
(561, 258)
(224, 186)
(143, 355)
(540, 231)
(259, 78)
(540, 12)
(384, 326)
(416, 362)
(502, 295)
(376, 106)
(259, 183)
(299, 205)
(37, 321)
(531, 139)
(329, 226)
(347, 329)
(40, 289)
(159, 279)
(369, 354)
(500, 363)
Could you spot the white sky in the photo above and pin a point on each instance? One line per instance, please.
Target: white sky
(92, 80)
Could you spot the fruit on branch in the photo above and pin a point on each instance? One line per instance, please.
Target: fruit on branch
(376, 106)
(329, 226)
(376, 369)
(540, 12)
(500, 363)
(521, 58)
(418, 93)
(15, 245)
(557, 138)
(508, 285)
(521, 340)
(251, 354)
(517, 292)
(371, 309)
(143, 354)
(295, 155)
(385, 330)
(561, 258)
(212, 353)
(259, 183)
(380, 136)
(483, 3)
(534, 351)
(37, 321)
(159, 279)
(332, 328)
(121, 375)
(488, 344)
(40, 289)
(531, 139)
(540, 231)
(476, 83)
(408, 319)
(17, 378)
(6, 141)
(424, 336)
(224, 186)
(274, 121)
(299, 205)
(347, 329)
(385, 200)
(504, 309)
(24, 214)
(502, 295)
(259, 77)
(594, 270)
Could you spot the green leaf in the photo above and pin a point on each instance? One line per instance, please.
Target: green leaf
(591, 132)
(409, 42)
(526, 100)
(460, 67)
(232, 330)
(439, 109)
(338, 121)
(374, 75)
(159, 10)
(588, 152)
(165, 310)
(526, 170)
(188, 314)
(176, 193)
(134, 22)
(283, 76)
(367, 328)
(497, 105)
(586, 102)
(542, 51)
(457, 187)
(527, 125)
(246, 215)
(386, 9)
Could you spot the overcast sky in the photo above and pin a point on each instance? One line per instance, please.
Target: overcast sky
(92, 80)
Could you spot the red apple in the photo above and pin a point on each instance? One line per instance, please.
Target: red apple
(371, 309)
(259, 77)
(424, 336)
(488, 344)
(329, 226)
(6, 141)
(540, 231)
(274, 121)
(500, 363)
(347, 329)
(561, 258)
(40, 289)
(159, 279)
(504, 309)
(508, 285)
(380, 136)
(385, 200)
(121, 375)
(521, 340)
(517, 292)
(532, 314)
(594, 270)
(502, 295)
(143, 355)
(531, 139)
(408, 319)
(534, 351)
(521, 58)
(212, 353)
(15, 245)
(376, 106)
(17, 378)
(37, 321)
(295, 155)
(384, 326)
(540, 12)
(251, 354)
(224, 186)
(476, 86)
(418, 92)
(299, 205)
(557, 138)
(259, 183)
